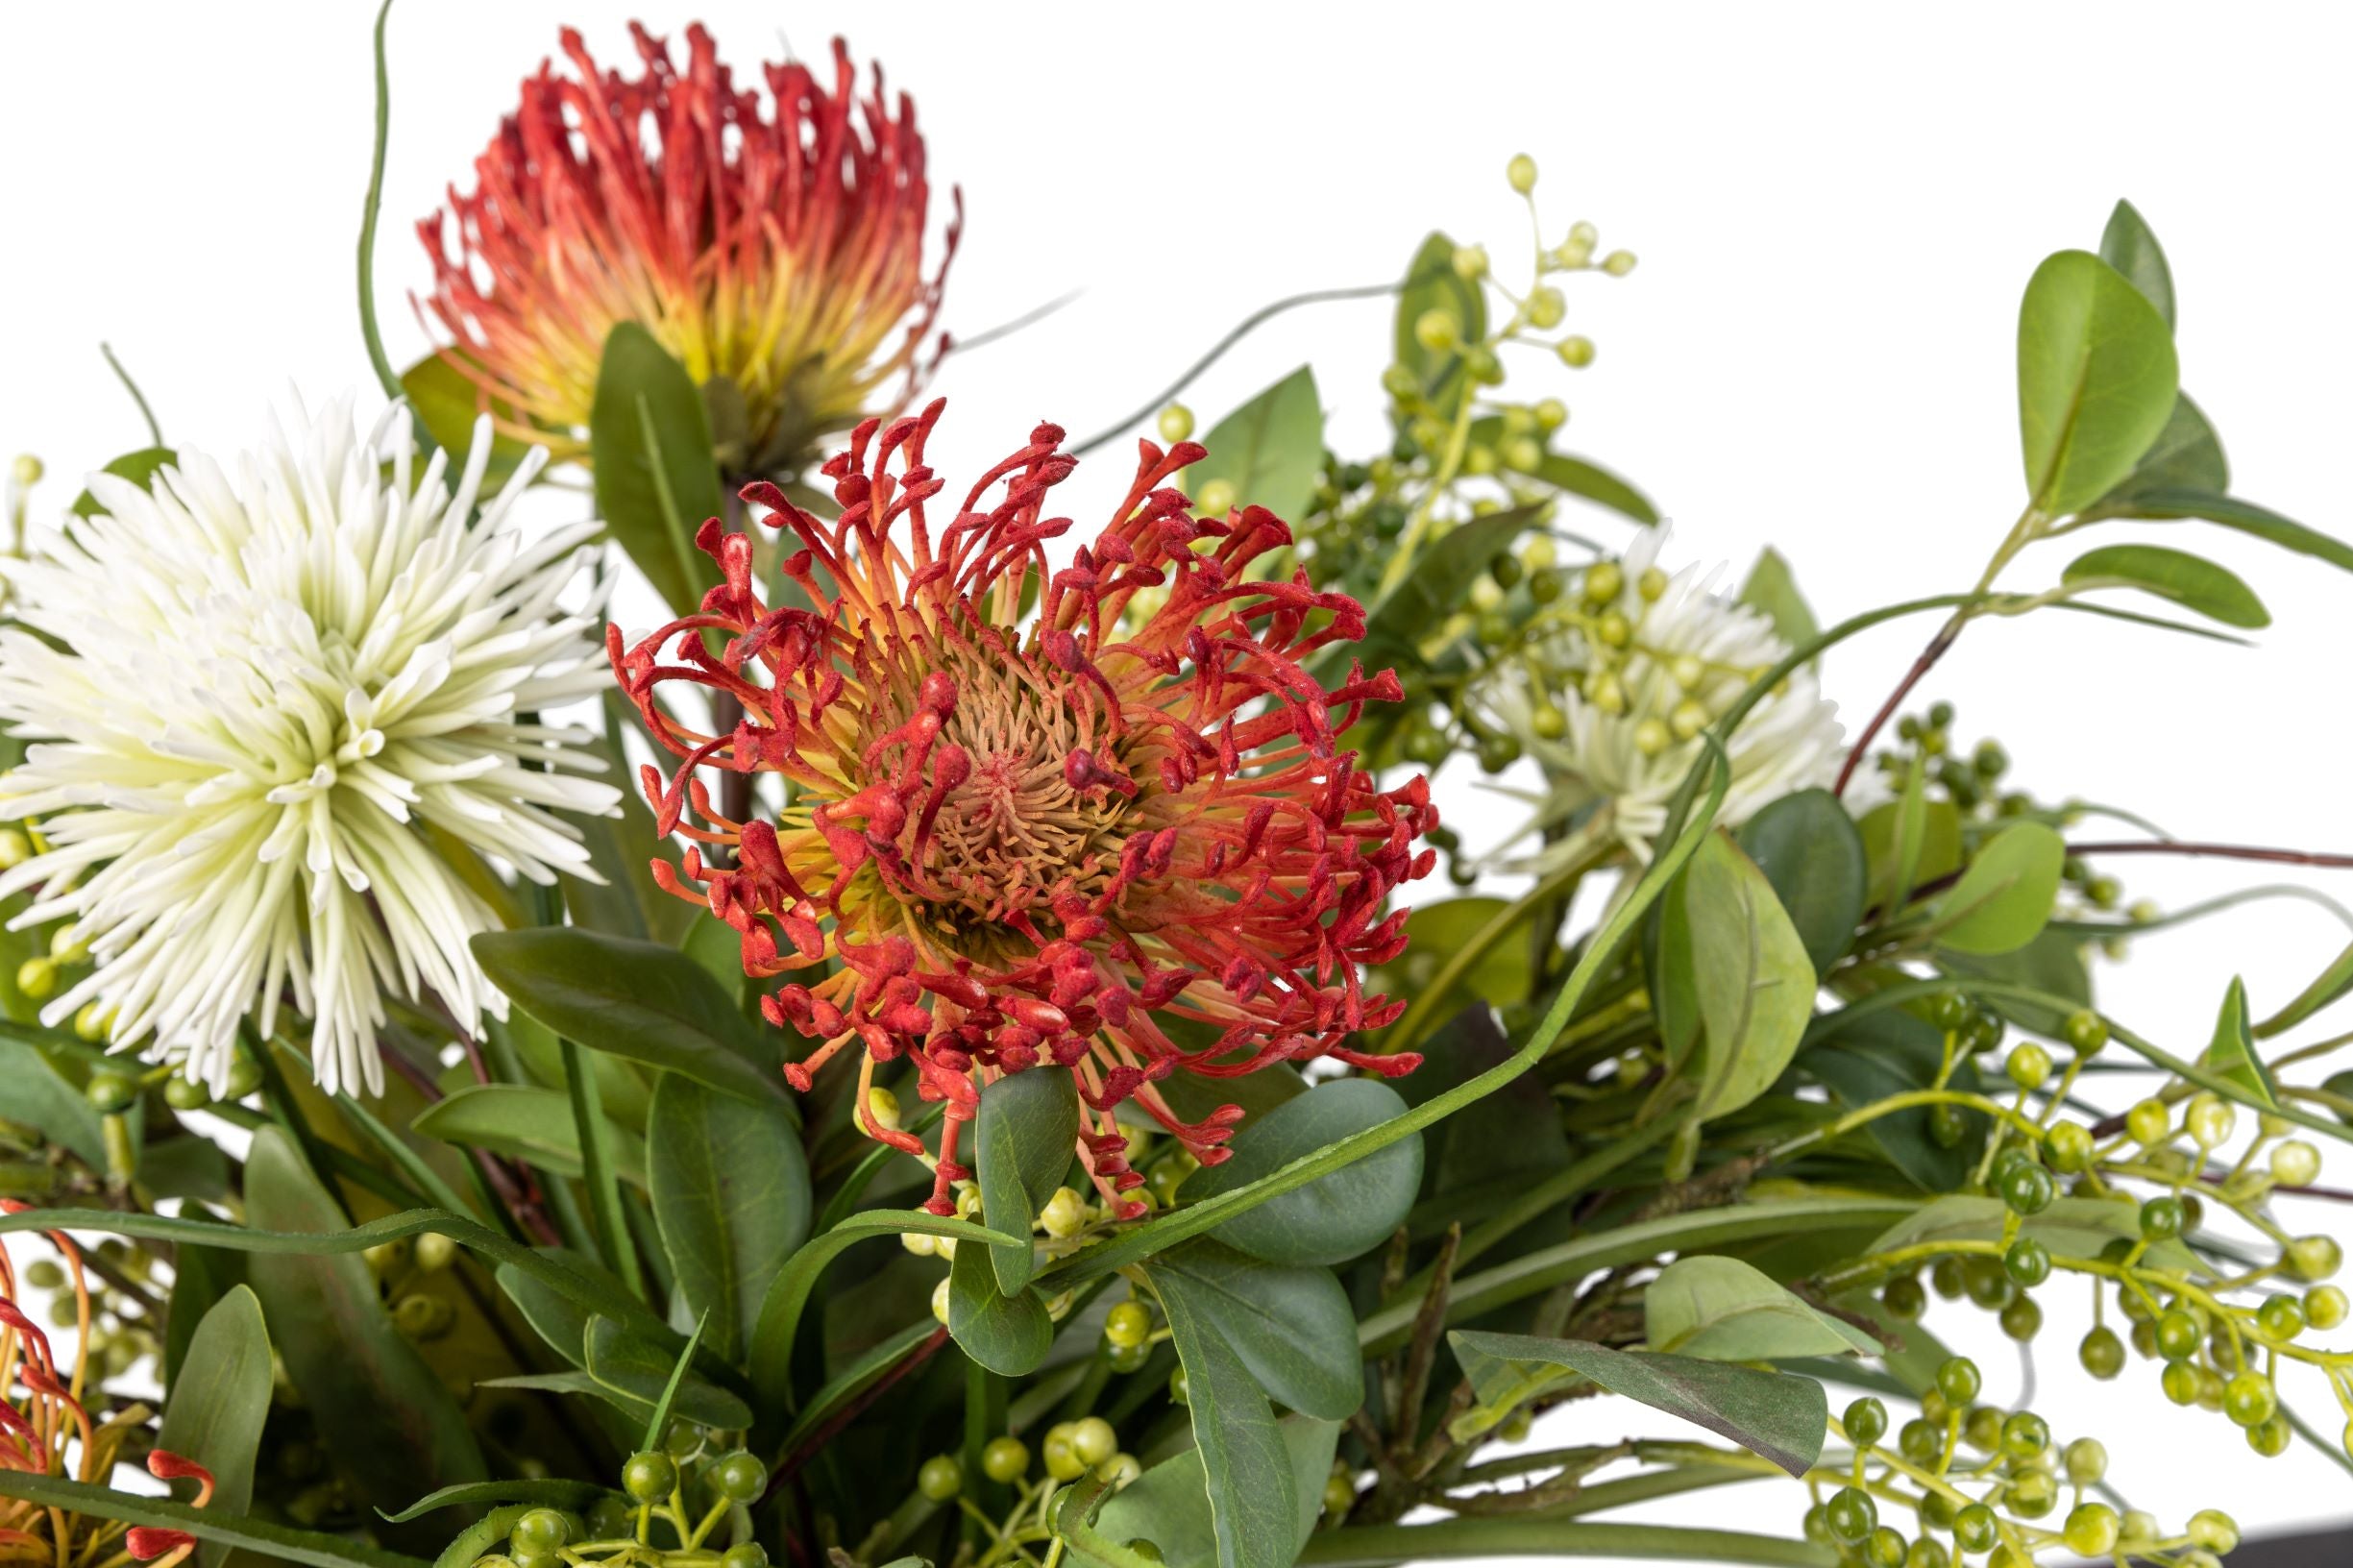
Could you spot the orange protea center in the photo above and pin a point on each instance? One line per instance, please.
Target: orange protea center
(46, 1430)
(773, 246)
(1111, 844)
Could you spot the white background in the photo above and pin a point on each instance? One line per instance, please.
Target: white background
(1835, 209)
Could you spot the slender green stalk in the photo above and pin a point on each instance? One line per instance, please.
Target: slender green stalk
(1533, 1535)
(155, 432)
(368, 328)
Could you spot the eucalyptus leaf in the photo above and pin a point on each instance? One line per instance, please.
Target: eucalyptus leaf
(1938, 848)
(1023, 1138)
(2192, 582)
(730, 1186)
(1812, 854)
(2071, 1228)
(2097, 379)
(2244, 517)
(1777, 1414)
(1751, 972)
(1875, 1054)
(1271, 450)
(652, 454)
(1008, 1333)
(1721, 1310)
(1334, 1217)
(2187, 456)
(1169, 1504)
(1292, 1326)
(2005, 896)
(220, 1402)
(2131, 248)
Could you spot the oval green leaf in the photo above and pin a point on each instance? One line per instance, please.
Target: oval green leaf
(1023, 1138)
(2006, 896)
(527, 1123)
(1749, 972)
(2192, 582)
(656, 475)
(1008, 1333)
(220, 1400)
(1271, 450)
(1721, 1310)
(1335, 1217)
(1291, 1326)
(2097, 378)
(2130, 246)
(1812, 854)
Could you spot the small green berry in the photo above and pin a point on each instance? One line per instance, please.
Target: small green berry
(744, 1554)
(1004, 1459)
(1129, 1323)
(2090, 1529)
(110, 1093)
(1904, 1299)
(1975, 1528)
(2029, 1189)
(2085, 1032)
(2024, 1436)
(738, 1477)
(1884, 1548)
(1062, 1460)
(2312, 1259)
(2028, 1262)
(2068, 1146)
(2249, 1400)
(1521, 171)
(2324, 1308)
(1866, 1422)
(940, 1478)
(1851, 1515)
(1176, 421)
(1093, 1440)
(2029, 1066)
(650, 1475)
(2161, 1220)
(2149, 1123)
(2022, 1319)
(2211, 1530)
(1958, 1380)
(2102, 1353)
(542, 1529)
(2271, 1436)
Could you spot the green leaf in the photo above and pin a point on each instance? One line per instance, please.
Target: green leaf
(621, 849)
(139, 467)
(2192, 582)
(658, 1424)
(220, 1401)
(1432, 284)
(1291, 1326)
(1778, 1415)
(1253, 1501)
(1754, 983)
(1008, 1333)
(2171, 504)
(636, 999)
(2052, 963)
(1773, 588)
(2232, 1053)
(1169, 1504)
(1335, 1217)
(2187, 456)
(1543, 1533)
(200, 1275)
(547, 1492)
(642, 1373)
(1939, 848)
(559, 1319)
(1721, 1310)
(731, 1190)
(2005, 896)
(380, 1410)
(2097, 378)
(656, 478)
(788, 1294)
(526, 1123)
(1436, 932)
(446, 402)
(486, 1533)
(1271, 450)
(39, 1098)
(1812, 854)
(1025, 1136)
(1596, 484)
(2072, 1228)
(2129, 247)
(1442, 574)
(1867, 1058)
(209, 1525)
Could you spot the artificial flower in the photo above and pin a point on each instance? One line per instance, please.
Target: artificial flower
(46, 1430)
(775, 246)
(1044, 842)
(265, 714)
(1611, 704)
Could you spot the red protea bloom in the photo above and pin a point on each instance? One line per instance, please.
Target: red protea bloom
(1109, 842)
(774, 247)
(46, 1430)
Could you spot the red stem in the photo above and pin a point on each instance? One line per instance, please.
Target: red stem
(2228, 851)
(1921, 666)
(843, 1417)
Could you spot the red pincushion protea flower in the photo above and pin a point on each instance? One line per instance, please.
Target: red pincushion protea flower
(45, 1430)
(1110, 842)
(772, 246)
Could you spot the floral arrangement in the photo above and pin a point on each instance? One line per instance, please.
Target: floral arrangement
(950, 1049)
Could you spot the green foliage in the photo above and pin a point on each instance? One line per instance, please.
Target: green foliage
(2005, 896)
(1269, 450)
(1328, 1220)
(1750, 975)
(2097, 379)
(731, 1190)
(139, 467)
(657, 479)
(1722, 1310)
(1431, 283)
(220, 1403)
(2189, 580)
(1021, 1139)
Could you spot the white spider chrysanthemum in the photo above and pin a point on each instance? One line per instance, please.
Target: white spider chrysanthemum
(1619, 725)
(247, 701)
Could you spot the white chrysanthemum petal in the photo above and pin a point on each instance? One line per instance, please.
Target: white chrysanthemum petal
(1790, 741)
(247, 698)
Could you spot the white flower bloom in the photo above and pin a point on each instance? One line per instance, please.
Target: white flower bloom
(1620, 724)
(248, 701)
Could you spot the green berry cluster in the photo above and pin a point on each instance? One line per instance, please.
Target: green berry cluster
(1980, 1481)
(674, 1505)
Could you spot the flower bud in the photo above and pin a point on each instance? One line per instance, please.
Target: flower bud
(1065, 1213)
(1521, 171)
(1176, 423)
